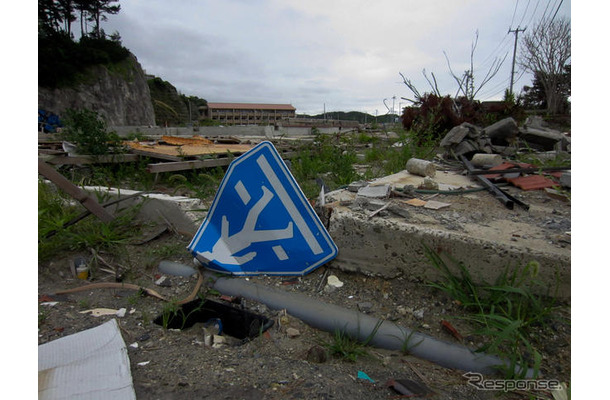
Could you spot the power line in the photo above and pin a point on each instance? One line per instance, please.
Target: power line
(545, 10)
(524, 13)
(514, 13)
(533, 13)
(554, 15)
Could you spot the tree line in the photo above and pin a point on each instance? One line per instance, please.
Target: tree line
(55, 17)
(62, 60)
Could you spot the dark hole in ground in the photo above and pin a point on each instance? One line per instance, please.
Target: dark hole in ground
(240, 324)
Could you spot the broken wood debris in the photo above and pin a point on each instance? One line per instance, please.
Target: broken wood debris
(74, 191)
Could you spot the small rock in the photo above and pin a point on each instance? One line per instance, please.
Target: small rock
(334, 281)
(402, 310)
(365, 306)
(429, 184)
(292, 332)
(419, 313)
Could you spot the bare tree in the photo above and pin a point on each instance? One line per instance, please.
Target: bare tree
(545, 51)
(466, 84)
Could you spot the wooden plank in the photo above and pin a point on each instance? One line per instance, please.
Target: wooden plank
(103, 159)
(188, 150)
(74, 191)
(187, 165)
(154, 154)
(198, 164)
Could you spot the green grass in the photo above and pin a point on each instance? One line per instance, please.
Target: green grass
(345, 347)
(505, 314)
(348, 348)
(55, 209)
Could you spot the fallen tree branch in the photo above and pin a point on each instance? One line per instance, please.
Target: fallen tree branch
(150, 292)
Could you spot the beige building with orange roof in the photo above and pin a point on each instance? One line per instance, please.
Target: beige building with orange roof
(248, 113)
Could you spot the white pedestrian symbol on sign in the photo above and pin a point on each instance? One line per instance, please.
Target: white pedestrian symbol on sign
(260, 222)
(228, 245)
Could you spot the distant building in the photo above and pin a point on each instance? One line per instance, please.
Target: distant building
(248, 113)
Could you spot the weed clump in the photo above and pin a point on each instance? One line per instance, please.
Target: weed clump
(505, 313)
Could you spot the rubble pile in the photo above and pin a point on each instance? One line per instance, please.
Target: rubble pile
(504, 137)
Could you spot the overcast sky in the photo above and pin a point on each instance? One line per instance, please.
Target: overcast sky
(333, 55)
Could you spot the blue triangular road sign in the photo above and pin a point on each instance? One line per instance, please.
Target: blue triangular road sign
(260, 222)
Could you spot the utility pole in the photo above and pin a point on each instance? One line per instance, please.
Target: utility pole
(512, 71)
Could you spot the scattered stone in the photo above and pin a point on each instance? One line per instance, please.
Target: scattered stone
(429, 184)
(419, 314)
(292, 332)
(402, 310)
(333, 281)
(355, 186)
(365, 306)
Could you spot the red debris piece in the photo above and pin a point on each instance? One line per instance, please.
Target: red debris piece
(45, 298)
(449, 328)
(532, 182)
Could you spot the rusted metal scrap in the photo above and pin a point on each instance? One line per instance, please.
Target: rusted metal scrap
(506, 199)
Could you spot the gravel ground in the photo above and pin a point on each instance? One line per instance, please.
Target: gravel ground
(290, 360)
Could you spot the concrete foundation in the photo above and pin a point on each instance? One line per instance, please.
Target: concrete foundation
(474, 229)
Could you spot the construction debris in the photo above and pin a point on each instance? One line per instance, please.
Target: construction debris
(504, 138)
(421, 167)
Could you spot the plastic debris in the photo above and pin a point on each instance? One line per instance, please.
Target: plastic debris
(364, 376)
(334, 281)
(98, 312)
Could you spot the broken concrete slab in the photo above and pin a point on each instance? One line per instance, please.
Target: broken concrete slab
(375, 191)
(458, 133)
(503, 132)
(479, 232)
(502, 138)
(542, 139)
(486, 160)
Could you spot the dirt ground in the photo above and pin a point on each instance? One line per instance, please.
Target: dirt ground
(281, 363)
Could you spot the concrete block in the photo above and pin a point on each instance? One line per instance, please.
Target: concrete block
(566, 179)
(392, 247)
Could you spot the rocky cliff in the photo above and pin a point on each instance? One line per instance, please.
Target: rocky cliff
(119, 93)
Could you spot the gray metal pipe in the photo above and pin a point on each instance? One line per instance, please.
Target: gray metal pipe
(379, 333)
